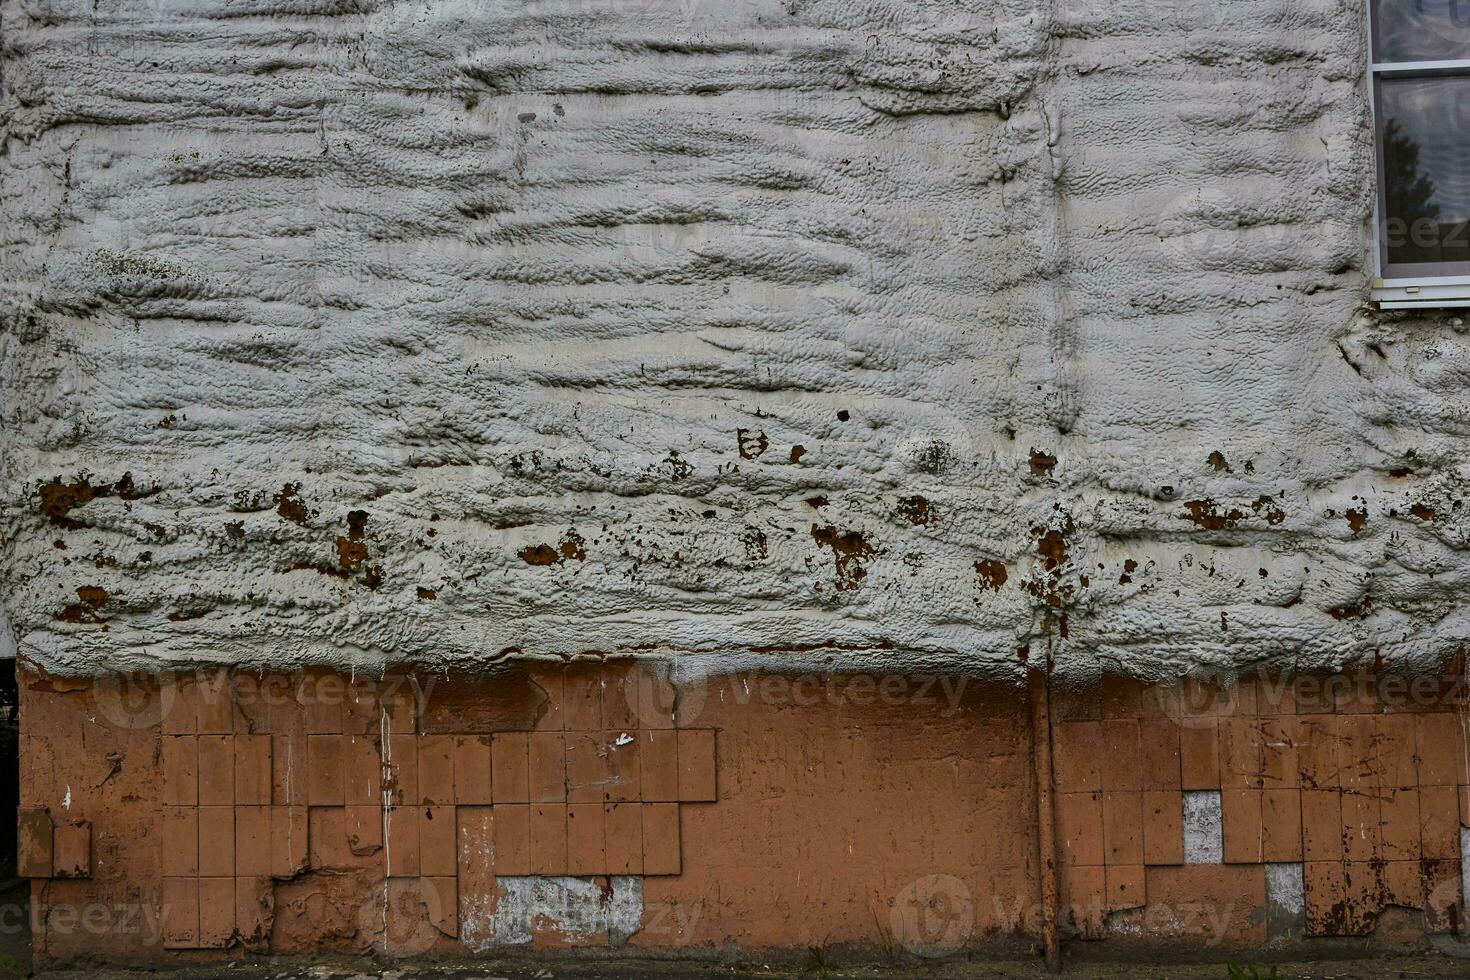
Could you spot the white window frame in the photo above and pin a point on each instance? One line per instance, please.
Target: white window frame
(1423, 291)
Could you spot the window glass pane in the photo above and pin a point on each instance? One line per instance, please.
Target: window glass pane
(1426, 168)
(1421, 30)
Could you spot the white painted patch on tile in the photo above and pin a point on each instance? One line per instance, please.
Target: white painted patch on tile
(1465, 867)
(1204, 841)
(1285, 888)
(575, 907)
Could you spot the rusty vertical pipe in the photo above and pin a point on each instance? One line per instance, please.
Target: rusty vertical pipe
(1046, 827)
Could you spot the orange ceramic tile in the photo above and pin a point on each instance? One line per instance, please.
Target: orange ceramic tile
(1075, 700)
(215, 703)
(217, 842)
(1240, 699)
(657, 701)
(476, 865)
(36, 843)
(1363, 898)
(1240, 817)
(326, 776)
(1122, 697)
(362, 771)
(620, 698)
(288, 770)
(72, 850)
(254, 907)
(1325, 890)
(1362, 828)
(180, 913)
(1275, 695)
(179, 704)
(696, 765)
(1440, 749)
(1317, 738)
(1159, 754)
(438, 849)
(1121, 748)
(623, 830)
(658, 761)
(1163, 827)
(1123, 828)
(1199, 754)
(1200, 698)
(1160, 701)
(1439, 824)
(661, 850)
(1395, 743)
(1321, 825)
(180, 841)
(361, 712)
(444, 904)
(1443, 910)
(180, 770)
(1357, 695)
(1240, 753)
(253, 770)
(216, 912)
(582, 694)
(252, 841)
(401, 765)
(322, 695)
(588, 767)
(472, 770)
(1399, 817)
(1357, 753)
(436, 770)
(402, 828)
(258, 710)
(621, 748)
(1281, 825)
(396, 698)
(38, 771)
(363, 825)
(1402, 884)
(1084, 899)
(216, 770)
(290, 827)
(1125, 887)
(327, 839)
(1076, 762)
(547, 770)
(551, 681)
(1080, 828)
(512, 827)
(548, 838)
(586, 854)
(1280, 768)
(1316, 694)
(510, 761)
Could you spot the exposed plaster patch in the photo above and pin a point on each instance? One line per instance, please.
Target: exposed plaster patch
(1204, 841)
(1286, 901)
(572, 908)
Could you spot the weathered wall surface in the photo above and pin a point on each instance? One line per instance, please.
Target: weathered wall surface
(350, 332)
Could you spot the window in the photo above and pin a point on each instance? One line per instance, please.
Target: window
(1419, 77)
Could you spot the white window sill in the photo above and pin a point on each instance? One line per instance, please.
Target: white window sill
(1403, 294)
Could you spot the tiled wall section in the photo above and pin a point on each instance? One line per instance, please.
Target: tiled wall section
(306, 812)
(1368, 792)
(263, 781)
